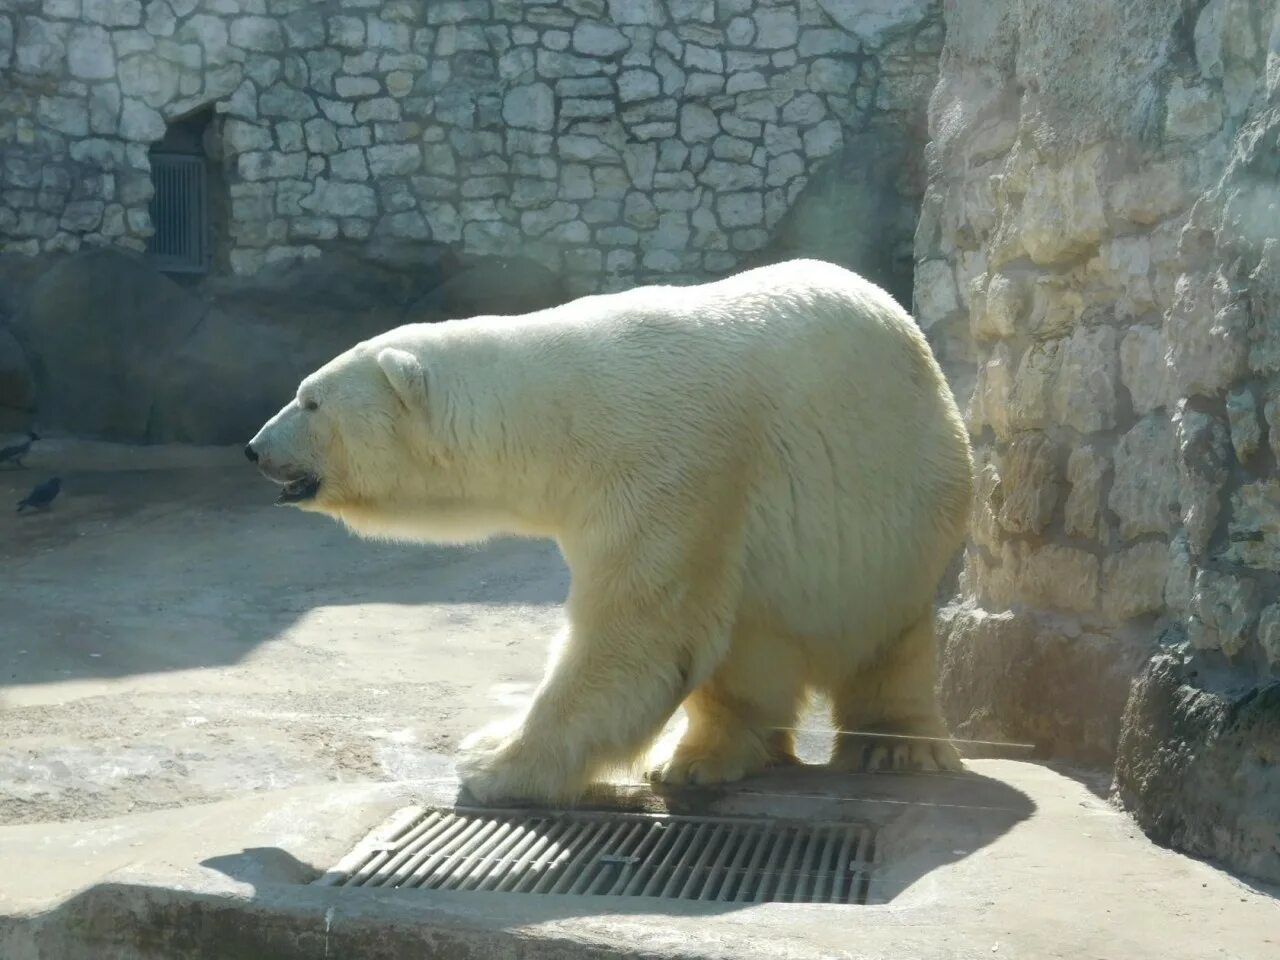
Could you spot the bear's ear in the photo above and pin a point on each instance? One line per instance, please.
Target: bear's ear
(405, 374)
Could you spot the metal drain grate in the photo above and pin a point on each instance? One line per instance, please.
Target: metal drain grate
(725, 859)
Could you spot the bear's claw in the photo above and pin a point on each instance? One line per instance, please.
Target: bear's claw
(870, 754)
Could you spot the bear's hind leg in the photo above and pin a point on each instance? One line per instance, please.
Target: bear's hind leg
(890, 708)
(740, 720)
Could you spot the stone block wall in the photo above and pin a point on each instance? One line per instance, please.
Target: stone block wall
(614, 141)
(1098, 266)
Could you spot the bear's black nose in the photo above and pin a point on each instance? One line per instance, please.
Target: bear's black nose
(250, 453)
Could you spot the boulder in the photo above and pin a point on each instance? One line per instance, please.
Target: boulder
(106, 347)
(493, 286)
(1011, 676)
(848, 207)
(1199, 768)
(122, 352)
(17, 388)
(338, 286)
(99, 328)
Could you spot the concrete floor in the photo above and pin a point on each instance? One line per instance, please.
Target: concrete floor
(206, 701)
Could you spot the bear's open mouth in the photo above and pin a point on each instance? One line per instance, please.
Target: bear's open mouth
(303, 488)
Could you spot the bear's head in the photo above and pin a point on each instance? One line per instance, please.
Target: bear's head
(349, 439)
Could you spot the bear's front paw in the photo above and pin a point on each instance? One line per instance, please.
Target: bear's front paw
(495, 765)
(696, 771)
(483, 757)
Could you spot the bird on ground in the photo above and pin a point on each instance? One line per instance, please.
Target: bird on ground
(15, 453)
(41, 495)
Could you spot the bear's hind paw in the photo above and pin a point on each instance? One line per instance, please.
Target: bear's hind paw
(869, 754)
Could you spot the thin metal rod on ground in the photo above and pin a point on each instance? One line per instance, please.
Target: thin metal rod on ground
(906, 736)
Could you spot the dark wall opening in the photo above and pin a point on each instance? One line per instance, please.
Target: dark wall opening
(190, 205)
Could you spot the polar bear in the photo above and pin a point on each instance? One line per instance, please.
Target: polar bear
(756, 483)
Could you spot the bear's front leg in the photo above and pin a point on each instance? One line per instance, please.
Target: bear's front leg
(621, 671)
(604, 699)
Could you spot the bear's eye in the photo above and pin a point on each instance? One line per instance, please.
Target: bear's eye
(310, 405)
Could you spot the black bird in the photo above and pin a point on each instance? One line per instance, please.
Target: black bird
(41, 495)
(15, 453)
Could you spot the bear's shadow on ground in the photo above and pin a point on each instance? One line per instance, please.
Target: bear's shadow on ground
(151, 571)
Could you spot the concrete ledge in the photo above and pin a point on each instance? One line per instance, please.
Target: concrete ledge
(1012, 859)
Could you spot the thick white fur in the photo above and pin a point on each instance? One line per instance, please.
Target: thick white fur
(756, 484)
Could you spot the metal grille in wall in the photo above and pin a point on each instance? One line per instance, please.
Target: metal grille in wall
(179, 213)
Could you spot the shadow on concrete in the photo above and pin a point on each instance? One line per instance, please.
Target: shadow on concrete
(924, 823)
(919, 822)
(155, 570)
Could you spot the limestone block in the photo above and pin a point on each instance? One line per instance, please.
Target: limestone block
(698, 123)
(1133, 580)
(341, 199)
(1269, 633)
(1030, 484)
(1084, 390)
(988, 499)
(138, 122)
(1192, 111)
(113, 13)
(740, 31)
(260, 34)
(379, 108)
(991, 395)
(722, 175)
(40, 48)
(703, 59)
(936, 298)
(638, 12)
(740, 209)
(81, 216)
(833, 75)
(1254, 530)
(1144, 368)
(1204, 458)
(874, 21)
(552, 64)
(394, 159)
(349, 165)
(89, 54)
(635, 84)
(776, 27)
(1062, 214)
(1179, 582)
(996, 313)
(69, 115)
(1152, 192)
(1208, 347)
(1145, 492)
(1246, 431)
(1053, 576)
(1087, 471)
(1224, 612)
(598, 39)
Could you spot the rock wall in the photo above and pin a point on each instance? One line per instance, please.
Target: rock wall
(614, 141)
(1098, 266)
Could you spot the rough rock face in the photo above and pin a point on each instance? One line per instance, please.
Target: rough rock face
(613, 141)
(1096, 264)
(1013, 677)
(118, 351)
(1196, 765)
